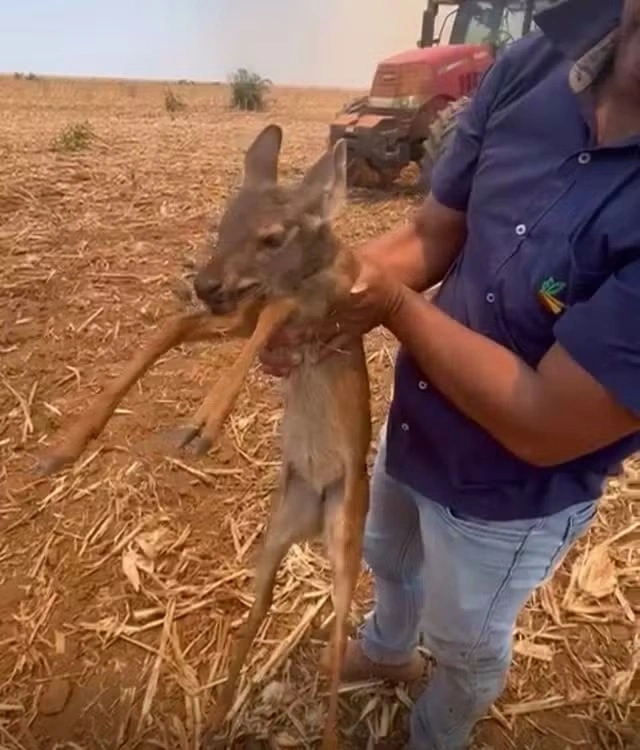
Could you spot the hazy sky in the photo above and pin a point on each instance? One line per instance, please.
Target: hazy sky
(320, 42)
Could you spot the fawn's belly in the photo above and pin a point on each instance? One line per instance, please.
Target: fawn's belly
(312, 434)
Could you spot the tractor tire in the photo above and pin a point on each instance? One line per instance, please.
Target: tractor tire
(361, 174)
(441, 132)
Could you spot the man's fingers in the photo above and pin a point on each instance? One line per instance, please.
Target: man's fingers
(288, 336)
(341, 341)
(279, 361)
(327, 330)
(331, 346)
(276, 369)
(277, 372)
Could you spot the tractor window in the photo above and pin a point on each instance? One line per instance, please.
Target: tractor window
(540, 5)
(496, 22)
(514, 17)
(480, 23)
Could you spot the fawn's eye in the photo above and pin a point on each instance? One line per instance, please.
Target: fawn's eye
(271, 240)
(271, 236)
(277, 236)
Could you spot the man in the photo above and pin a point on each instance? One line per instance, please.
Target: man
(518, 389)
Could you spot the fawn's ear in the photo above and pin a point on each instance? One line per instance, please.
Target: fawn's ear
(261, 159)
(326, 184)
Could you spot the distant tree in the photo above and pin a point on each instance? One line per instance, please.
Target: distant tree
(248, 90)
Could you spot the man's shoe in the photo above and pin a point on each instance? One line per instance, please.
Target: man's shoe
(357, 666)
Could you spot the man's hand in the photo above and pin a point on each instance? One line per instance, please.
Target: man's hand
(373, 299)
(417, 255)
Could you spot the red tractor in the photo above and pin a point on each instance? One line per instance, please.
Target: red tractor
(415, 95)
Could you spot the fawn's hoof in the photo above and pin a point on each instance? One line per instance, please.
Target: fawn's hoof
(211, 739)
(213, 736)
(50, 464)
(201, 445)
(185, 435)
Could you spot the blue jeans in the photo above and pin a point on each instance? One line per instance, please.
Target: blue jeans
(460, 582)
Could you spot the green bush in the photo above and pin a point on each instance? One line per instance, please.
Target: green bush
(74, 138)
(248, 91)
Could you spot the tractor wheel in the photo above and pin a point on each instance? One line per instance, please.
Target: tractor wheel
(440, 133)
(360, 173)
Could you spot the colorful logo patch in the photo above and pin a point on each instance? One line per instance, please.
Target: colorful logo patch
(548, 295)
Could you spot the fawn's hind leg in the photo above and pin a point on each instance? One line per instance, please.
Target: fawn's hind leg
(345, 513)
(297, 515)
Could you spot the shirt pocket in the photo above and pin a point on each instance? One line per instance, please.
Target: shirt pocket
(549, 273)
(587, 272)
(532, 287)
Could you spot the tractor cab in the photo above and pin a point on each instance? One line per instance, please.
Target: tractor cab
(387, 129)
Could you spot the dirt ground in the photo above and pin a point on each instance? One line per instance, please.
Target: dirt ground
(122, 578)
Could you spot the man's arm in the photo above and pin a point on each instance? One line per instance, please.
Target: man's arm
(420, 252)
(583, 396)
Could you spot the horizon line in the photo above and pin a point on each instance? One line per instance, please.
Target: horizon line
(21, 75)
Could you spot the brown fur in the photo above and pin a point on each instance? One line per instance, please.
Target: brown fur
(177, 330)
(326, 427)
(277, 257)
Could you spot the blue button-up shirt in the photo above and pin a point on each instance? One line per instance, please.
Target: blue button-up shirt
(553, 254)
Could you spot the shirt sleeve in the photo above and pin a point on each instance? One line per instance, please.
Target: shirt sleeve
(603, 335)
(453, 172)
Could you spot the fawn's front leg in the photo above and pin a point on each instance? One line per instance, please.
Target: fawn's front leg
(192, 327)
(208, 420)
(295, 515)
(346, 509)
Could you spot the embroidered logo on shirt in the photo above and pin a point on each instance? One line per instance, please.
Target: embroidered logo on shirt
(548, 295)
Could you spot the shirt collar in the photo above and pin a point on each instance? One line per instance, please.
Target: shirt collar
(585, 31)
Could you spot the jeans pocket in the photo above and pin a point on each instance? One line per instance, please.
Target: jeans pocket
(498, 531)
(582, 517)
(578, 521)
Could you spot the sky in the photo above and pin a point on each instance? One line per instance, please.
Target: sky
(306, 42)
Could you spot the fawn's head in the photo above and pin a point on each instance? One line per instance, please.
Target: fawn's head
(272, 237)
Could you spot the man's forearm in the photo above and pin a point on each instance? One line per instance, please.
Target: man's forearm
(546, 416)
(420, 252)
(401, 252)
(485, 381)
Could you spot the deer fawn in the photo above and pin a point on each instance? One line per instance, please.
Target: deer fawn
(276, 257)
(275, 244)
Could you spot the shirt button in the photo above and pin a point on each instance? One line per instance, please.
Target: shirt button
(521, 230)
(491, 297)
(422, 385)
(584, 158)
(405, 427)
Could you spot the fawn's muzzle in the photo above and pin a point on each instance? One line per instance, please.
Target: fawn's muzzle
(211, 292)
(206, 287)
(218, 298)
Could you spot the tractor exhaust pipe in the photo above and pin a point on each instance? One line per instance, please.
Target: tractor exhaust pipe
(428, 27)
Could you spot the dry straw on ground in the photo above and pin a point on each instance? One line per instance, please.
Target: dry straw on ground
(122, 579)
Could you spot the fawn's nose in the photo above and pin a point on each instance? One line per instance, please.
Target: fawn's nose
(207, 288)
